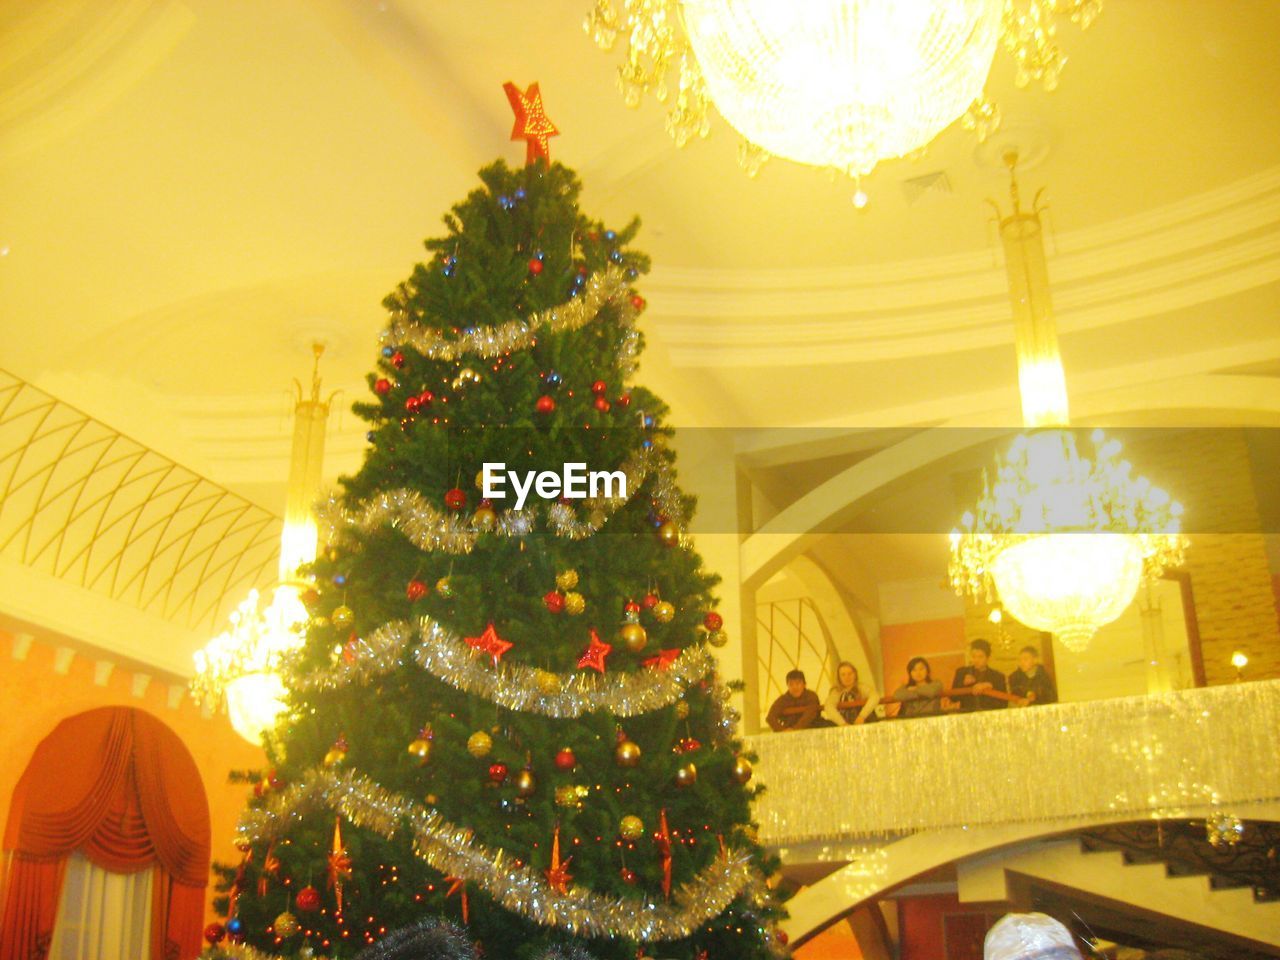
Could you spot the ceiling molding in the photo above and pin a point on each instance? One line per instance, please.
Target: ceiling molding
(1184, 255)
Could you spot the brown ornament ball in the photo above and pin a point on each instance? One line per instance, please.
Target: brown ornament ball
(633, 637)
(342, 617)
(574, 604)
(525, 783)
(687, 775)
(742, 770)
(664, 612)
(631, 827)
(420, 749)
(627, 753)
(717, 638)
(668, 534)
(479, 744)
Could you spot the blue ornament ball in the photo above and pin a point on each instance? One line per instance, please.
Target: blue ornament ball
(519, 193)
(235, 926)
(610, 235)
(339, 580)
(388, 351)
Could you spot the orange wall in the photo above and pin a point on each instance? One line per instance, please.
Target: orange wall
(921, 925)
(837, 942)
(33, 699)
(941, 642)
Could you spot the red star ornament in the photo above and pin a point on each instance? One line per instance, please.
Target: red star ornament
(663, 839)
(558, 875)
(663, 660)
(339, 863)
(595, 653)
(458, 885)
(489, 642)
(532, 123)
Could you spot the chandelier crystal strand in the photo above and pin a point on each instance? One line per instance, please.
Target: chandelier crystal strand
(239, 668)
(843, 84)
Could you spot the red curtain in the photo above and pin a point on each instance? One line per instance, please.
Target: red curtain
(120, 786)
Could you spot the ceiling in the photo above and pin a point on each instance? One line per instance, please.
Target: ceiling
(194, 190)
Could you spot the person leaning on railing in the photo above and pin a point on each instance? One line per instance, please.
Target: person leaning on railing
(982, 678)
(798, 708)
(850, 701)
(1031, 681)
(921, 695)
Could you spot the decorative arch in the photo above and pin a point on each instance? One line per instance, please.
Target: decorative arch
(1247, 400)
(118, 785)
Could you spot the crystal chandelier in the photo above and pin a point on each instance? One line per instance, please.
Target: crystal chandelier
(239, 668)
(833, 83)
(1062, 537)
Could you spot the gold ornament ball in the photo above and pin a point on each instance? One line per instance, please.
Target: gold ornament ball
(286, 925)
(485, 519)
(421, 749)
(717, 638)
(668, 534)
(567, 580)
(465, 376)
(548, 683)
(444, 588)
(334, 757)
(627, 754)
(663, 612)
(687, 775)
(741, 769)
(571, 796)
(682, 710)
(480, 480)
(342, 617)
(633, 637)
(479, 744)
(525, 783)
(574, 604)
(631, 827)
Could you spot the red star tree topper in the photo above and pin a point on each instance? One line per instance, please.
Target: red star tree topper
(532, 123)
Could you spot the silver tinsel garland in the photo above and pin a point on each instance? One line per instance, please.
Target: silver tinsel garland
(454, 851)
(612, 286)
(514, 686)
(431, 529)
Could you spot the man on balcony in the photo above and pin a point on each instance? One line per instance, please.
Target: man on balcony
(798, 708)
(1030, 681)
(980, 678)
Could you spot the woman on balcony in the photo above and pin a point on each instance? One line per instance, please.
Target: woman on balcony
(921, 695)
(849, 690)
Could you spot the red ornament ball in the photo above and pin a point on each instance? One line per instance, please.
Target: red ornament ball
(412, 404)
(650, 601)
(637, 301)
(307, 900)
(624, 400)
(554, 601)
(535, 266)
(455, 499)
(783, 938)
(599, 387)
(565, 760)
(310, 597)
(425, 398)
(602, 404)
(545, 404)
(397, 359)
(416, 590)
(215, 933)
(631, 607)
(713, 621)
(498, 772)
(628, 875)
(382, 387)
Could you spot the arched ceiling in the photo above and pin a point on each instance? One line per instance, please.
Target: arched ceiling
(193, 189)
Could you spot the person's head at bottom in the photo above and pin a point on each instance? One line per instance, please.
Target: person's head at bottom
(1029, 936)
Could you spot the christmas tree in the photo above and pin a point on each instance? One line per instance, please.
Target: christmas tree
(506, 713)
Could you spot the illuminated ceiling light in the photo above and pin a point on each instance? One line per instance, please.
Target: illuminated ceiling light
(832, 83)
(239, 668)
(1062, 538)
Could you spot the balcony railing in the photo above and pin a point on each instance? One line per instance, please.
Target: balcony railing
(1143, 756)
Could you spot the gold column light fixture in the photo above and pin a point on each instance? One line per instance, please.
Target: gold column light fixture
(843, 84)
(1060, 536)
(239, 668)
